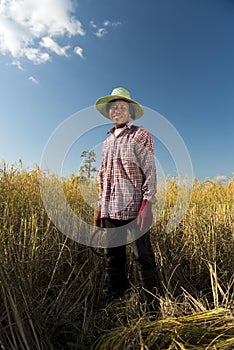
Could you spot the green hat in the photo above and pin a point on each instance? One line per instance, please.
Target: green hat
(118, 94)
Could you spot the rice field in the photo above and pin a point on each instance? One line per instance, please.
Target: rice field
(49, 284)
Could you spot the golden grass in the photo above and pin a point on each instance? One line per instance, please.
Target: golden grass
(208, 330)
(49, 283)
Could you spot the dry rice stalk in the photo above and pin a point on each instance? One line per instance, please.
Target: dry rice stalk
(207, 330)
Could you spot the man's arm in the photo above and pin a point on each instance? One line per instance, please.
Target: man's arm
(146, 162)
(145, 149)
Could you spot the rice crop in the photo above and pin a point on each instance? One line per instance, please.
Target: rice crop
(49, 283)
(208, 330)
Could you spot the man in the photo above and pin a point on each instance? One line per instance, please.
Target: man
(126, 193)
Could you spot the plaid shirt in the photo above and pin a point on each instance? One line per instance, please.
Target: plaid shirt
(127, 173)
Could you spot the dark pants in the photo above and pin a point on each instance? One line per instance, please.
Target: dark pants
(143, 256)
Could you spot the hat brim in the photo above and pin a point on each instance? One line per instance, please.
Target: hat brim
(101, 105)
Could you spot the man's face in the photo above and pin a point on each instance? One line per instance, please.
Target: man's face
(119, 113)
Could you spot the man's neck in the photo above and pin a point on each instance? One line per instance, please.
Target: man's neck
(119, 126)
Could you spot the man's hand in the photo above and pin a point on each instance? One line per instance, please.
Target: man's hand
(99, 221)
(145, 216)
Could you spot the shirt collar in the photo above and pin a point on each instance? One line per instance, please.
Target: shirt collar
(127, 126)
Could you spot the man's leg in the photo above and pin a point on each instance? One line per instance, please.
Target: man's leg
(143, 255)
(117, 282)
(116, 271)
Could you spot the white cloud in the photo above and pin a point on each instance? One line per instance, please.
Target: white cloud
(33, 29)
(221, 178)
(17, 64)
(92, 24)
(28, 28)
(115, 24)
(50, 44)
(100, 31)
(79, 51)
(33, 80)
(106, 23)
(36, 56)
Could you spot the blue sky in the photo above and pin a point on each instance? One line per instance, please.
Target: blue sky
(57, 57)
